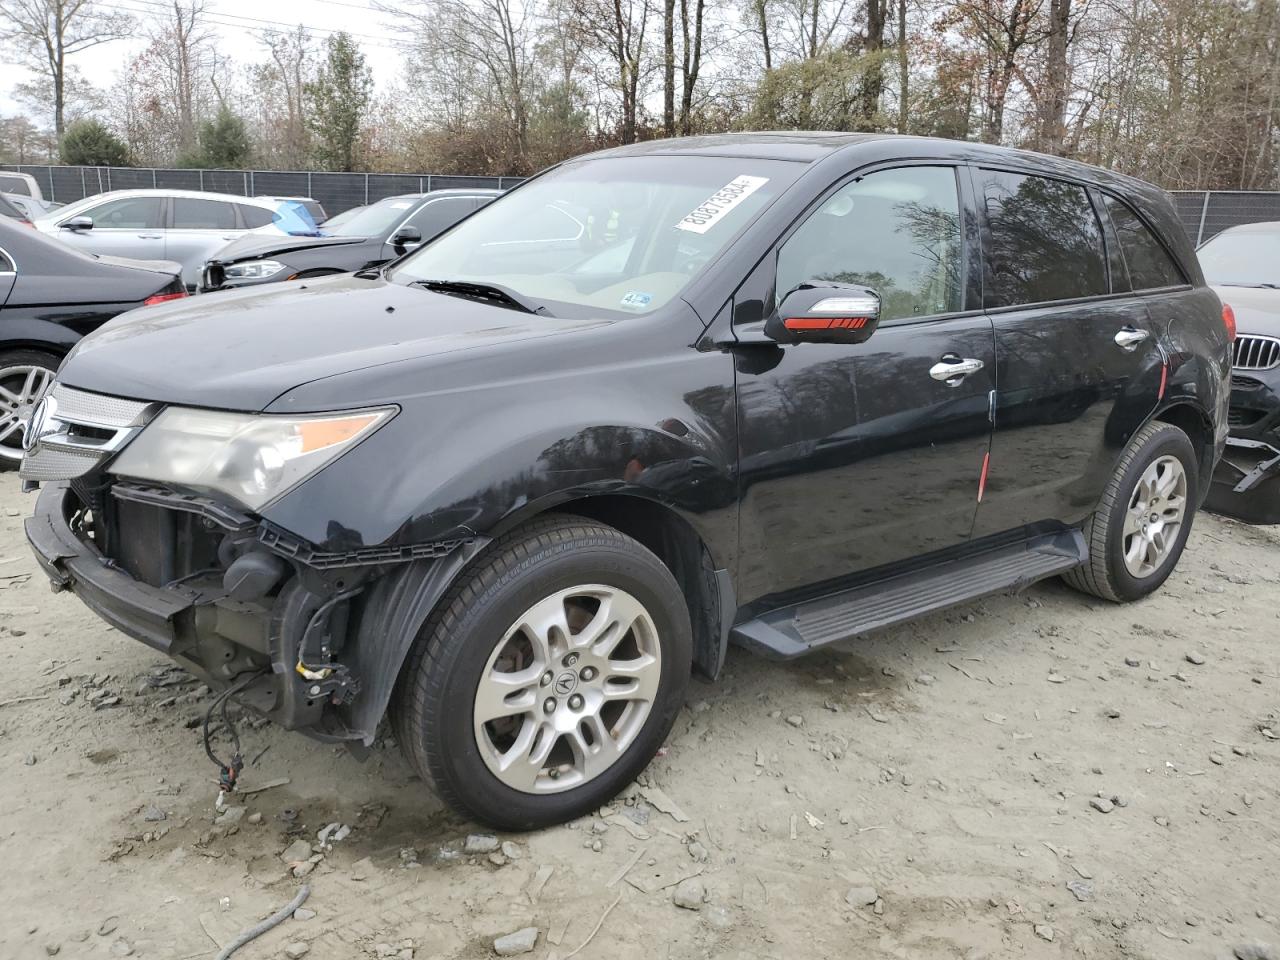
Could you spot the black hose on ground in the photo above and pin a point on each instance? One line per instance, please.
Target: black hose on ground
(276, 918)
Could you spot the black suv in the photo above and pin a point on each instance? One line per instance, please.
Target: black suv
(771, 389)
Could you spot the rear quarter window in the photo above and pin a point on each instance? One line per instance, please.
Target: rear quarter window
(11, 184)
(1150, 266)
(1044, 240)
(255, 217)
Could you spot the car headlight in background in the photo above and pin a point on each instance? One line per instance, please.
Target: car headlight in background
(251, 458)
(252, 269)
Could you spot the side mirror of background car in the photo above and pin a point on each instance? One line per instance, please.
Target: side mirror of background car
(825, 313)
(77, 223)
(406, 238)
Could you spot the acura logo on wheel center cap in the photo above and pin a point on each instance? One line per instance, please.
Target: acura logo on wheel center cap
(565, 683)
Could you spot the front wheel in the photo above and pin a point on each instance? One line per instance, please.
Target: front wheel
(548, 676)
(1144, 518)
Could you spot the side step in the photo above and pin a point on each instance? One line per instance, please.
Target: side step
(794, 630)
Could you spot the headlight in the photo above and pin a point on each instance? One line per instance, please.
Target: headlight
(252, 270)
(249, 458)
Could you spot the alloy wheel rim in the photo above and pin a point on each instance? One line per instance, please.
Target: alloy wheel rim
(1154, 517)
(567, 689)
(21, 387)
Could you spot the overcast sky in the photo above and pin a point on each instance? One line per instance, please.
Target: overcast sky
(239, 25)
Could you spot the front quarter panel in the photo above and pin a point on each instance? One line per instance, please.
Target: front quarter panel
(507, 433)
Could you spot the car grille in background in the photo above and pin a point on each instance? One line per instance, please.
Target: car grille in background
(1240, 417)
(81, 432)
(1255, 353)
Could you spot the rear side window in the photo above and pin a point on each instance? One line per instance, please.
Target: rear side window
(6, 265)
(1150, 267)
(128, 213)
(255, 217)
(12, 184)
(192, 214)
(1045, 241)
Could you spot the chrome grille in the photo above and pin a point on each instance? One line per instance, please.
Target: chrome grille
(1252, 352)
(76, 431)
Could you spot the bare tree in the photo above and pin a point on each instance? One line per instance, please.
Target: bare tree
(691, 65)
(45, 33)
(182, 47)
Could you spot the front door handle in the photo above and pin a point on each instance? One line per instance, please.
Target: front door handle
(1129, 337)
(952, 369)
(150, 236)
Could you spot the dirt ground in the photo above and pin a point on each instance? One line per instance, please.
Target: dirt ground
(928, 792)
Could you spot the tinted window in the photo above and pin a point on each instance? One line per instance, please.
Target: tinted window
(1149, 264)
(10, 209)
(255, 217)
(191, 214)
(435, 217)
(1045, 241)
(6, 265)
(13, 184)
(896, 231)
(127, 213)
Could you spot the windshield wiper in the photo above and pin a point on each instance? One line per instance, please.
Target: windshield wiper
(493, 293)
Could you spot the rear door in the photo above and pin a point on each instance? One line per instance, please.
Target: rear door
(1076, 355)
(854, 456)
(198, 229)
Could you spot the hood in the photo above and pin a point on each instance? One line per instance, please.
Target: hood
(242, 349)
(165, 267)
(1257, 309)
(256, 247)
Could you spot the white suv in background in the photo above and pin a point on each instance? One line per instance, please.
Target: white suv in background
(181, 225)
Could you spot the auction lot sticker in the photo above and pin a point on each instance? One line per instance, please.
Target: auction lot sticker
(714, 209)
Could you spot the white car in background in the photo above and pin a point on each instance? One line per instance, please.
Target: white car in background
(180, 225)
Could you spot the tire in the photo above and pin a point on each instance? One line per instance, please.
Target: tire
(24, 374)
(1106, 573)
(474, 638)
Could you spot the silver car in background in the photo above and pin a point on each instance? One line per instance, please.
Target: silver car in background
(180, 225)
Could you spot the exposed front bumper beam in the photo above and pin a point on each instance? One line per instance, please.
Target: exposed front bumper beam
(161, 618)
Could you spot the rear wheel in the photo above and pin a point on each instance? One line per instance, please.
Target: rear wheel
(24, 377)
(548, 676)
(1144, 518)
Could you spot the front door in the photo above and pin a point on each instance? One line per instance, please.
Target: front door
(1078, 364)
(124, 227)
(856, 456)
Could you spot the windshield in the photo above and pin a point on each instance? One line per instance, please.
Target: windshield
(375, 219)
(1245, 259)
(620, 234)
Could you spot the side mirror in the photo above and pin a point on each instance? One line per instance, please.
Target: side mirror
(407, 238)
(77, 223)
(825, 313)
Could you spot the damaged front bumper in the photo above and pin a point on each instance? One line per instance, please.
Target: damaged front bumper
(227, 596)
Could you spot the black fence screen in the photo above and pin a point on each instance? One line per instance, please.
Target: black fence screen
(336, 191)
(1206, 213)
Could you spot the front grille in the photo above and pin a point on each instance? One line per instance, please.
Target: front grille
(1252, 352)
(78, 431)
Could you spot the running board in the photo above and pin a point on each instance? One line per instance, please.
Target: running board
(796, 629)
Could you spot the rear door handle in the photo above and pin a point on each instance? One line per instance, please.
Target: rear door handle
(1129, 337)
(151, 236)
(952, 369)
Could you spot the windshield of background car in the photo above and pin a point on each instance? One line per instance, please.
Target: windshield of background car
(1244, 259)
(375, 219)
(618, 234)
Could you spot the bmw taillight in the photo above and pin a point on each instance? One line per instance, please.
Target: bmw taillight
(163, 298)
(1229, 321)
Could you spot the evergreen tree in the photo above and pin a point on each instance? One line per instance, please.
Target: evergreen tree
(338, 99)
(89, 143)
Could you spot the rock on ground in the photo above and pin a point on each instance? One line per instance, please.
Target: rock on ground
(513, 944)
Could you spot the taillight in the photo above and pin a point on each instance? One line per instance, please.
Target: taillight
(1229, 321)
(163, 298)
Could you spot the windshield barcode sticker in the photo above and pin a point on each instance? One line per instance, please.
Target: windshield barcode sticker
(714, 209)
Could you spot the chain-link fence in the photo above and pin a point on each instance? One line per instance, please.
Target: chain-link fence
(1206, 213)
(336, 191)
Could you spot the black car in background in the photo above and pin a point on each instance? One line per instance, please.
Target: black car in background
(1243, 266)
(377, 233)
(778, 390)
(50, 296)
